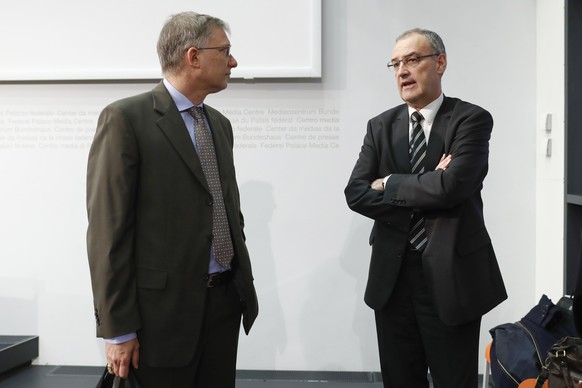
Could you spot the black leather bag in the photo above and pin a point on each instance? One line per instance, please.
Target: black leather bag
(563, 367)
(109, 380)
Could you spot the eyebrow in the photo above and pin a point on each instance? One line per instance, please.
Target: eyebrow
(406, 56)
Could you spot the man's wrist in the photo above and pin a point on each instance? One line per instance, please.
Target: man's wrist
(121, 339)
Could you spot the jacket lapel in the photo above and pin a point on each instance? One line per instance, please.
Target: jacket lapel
(400, 141)
(437, 136)
(173, 127)
(221, 143)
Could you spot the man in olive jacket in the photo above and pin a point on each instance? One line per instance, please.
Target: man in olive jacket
(162, 301)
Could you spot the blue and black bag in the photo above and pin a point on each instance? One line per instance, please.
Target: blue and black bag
(519, 349)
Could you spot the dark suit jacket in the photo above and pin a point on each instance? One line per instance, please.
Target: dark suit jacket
(458, 261)
(577, 303)
(150, 225)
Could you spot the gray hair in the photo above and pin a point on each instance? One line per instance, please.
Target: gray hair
(432, 37)
(181, 32)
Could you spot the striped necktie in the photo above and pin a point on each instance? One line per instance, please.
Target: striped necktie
(417, 151)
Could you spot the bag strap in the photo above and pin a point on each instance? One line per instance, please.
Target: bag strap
(543, 377)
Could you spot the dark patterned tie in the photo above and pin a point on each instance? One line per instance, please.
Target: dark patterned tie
(417, 235)
(222, 241)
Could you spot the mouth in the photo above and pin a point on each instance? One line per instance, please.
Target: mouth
(407, 84)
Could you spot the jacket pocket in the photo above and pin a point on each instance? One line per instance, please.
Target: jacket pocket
(472, 243)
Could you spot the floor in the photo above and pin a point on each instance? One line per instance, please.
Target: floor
(86, 377)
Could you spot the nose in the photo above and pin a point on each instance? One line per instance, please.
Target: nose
(402, 69)
(232, 61)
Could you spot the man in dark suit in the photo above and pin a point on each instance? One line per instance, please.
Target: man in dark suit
(428, 288)
(170, 270)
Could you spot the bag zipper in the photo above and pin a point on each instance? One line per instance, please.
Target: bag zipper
(533, 340)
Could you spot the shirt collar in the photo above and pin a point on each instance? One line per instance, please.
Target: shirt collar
(429, 112)
(182, 102)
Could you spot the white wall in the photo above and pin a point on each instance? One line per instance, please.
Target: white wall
(310, 253)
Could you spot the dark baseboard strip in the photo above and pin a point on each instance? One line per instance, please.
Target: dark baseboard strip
(309, 376)
(263, 375)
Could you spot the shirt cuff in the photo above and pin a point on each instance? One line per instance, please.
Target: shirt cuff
(385, 180)
(121, 339)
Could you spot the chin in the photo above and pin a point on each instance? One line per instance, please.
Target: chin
(407, 98)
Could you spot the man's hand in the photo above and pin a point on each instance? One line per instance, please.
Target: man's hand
(120, 355)
(444, 162)
(378, 184)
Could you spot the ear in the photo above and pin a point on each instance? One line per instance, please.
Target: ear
(191, 57)
(441, 63)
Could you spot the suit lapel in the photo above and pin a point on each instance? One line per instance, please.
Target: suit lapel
(400, 141)
(221, 143)
(437, 136)
(172, 125)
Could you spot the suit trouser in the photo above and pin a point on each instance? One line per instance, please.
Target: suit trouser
(412, 339)
(214, 364)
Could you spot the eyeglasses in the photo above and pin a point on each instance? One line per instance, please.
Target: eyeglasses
(224, 49)
(409, 62)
